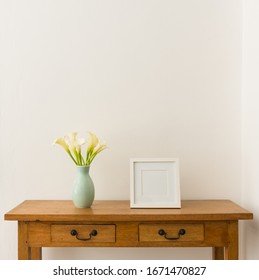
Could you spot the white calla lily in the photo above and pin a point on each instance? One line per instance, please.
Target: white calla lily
(95, 146)
(62, 143)
(92, 142)
(99, 147)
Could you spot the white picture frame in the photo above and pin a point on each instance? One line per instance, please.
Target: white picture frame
(154, 183)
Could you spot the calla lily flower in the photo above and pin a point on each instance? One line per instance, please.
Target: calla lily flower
(95, 146)
(73, 146)
(92, 142)
(74, 143)
(62, 143)
(99, 147)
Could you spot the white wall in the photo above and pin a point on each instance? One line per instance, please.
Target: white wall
(250, 103)
(153, 78)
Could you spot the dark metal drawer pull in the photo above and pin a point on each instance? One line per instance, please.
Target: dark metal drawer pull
(73, 232)
(180, 232)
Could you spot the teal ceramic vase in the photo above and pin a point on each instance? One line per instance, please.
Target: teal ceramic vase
(83, 188)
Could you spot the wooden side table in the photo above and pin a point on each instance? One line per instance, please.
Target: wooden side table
(57, 223)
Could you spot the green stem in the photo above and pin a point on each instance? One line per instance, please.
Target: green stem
(72, 157)
(82, 160)
(77, 156)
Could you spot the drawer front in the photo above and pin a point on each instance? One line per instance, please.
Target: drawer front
(83, 233)
(171, 232)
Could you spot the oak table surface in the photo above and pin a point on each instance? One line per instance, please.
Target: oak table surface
(209, 223)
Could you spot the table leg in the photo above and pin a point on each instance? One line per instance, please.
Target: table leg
(218, 253)
(231, 251)
(35, 253)
(23, 249)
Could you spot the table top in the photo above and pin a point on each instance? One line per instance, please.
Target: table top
(119, 210)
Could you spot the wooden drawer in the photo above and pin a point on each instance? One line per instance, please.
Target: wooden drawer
(83, 233)
(171, 232)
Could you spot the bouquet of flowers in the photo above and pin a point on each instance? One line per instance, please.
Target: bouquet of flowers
(73, 146)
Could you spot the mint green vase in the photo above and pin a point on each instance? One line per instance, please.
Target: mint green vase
(83, 188)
